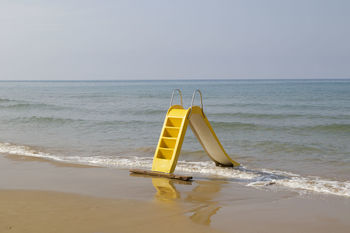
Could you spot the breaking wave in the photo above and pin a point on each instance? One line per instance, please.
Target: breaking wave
(257, 178)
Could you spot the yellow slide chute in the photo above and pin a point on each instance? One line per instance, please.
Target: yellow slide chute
(173, 133)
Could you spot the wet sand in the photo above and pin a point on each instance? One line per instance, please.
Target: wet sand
(37, 195)
(42, 211)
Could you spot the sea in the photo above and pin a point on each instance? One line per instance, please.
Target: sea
(286, 134)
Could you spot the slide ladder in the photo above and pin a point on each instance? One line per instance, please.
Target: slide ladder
(173, 133)
(171, 137)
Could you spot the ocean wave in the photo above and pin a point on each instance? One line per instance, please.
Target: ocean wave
(145, 149)
(330, 128)
(246, 115)
(44, 120)
(256, 115)
(256, 104)
(258, 178)
(87, 123)
(324, 128)
(265, 105)
(287, 147)
(241, 126)
(4, 100)
(25, 106)
(146, 112)
(129, 123)
(236, 125)
(13, 149)
(152, 112)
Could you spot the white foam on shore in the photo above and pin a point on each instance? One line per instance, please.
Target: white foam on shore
(254, 178)
(12, 149)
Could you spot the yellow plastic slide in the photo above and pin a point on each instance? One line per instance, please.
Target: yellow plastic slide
(173, 133)
(206, 136)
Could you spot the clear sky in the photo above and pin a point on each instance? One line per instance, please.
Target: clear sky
(174, 39)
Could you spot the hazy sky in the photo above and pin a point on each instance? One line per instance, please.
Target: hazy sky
(174, 39)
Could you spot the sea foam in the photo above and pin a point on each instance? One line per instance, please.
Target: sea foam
(258, 178)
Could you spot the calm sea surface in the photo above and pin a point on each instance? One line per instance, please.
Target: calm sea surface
(292, 133)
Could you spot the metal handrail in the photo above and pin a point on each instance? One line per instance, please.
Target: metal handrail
(193, 97)
(172, 97)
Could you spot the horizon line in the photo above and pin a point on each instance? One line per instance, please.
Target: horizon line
(206, 79)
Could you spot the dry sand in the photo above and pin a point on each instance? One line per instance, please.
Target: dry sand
(42, 196)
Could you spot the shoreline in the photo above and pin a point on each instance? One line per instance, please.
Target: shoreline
(203, 205)
(258, 178)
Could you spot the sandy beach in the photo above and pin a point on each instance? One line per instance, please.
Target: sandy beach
(251, 99)
(38, 195)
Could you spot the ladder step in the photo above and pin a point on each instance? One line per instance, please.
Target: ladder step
(167, 143)
(172, 127)
(163, 148)
(173, 122)
(172, 132)
(171, 138)
(165, 153)
(175, 117)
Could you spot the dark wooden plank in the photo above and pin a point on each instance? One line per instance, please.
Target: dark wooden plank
(161, 174)
(173, 181)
